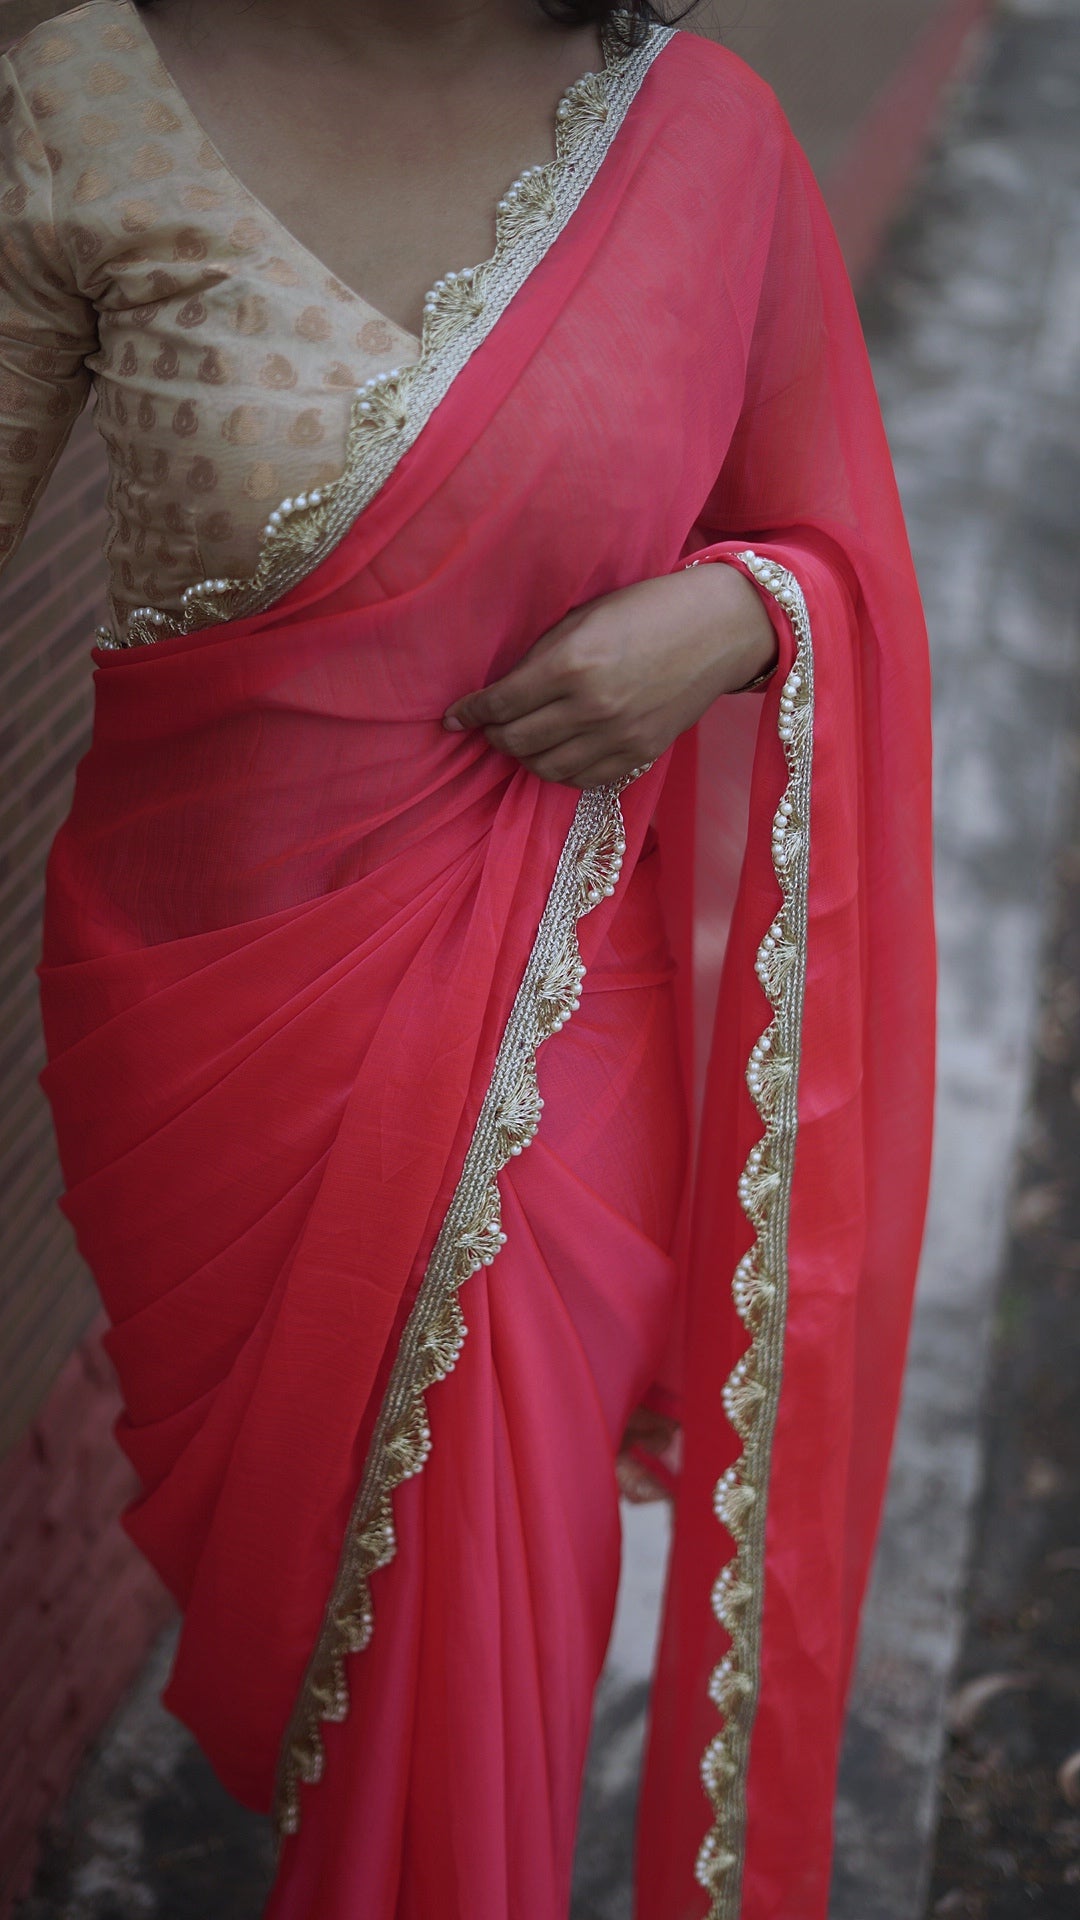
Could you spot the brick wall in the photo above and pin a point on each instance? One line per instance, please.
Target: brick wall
(49, 600)
(79, 1606)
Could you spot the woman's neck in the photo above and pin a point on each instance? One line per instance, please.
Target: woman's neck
(433, 31)
(380, 133)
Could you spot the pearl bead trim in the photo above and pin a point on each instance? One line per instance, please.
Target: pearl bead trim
(471, 1237)
(751, 1392)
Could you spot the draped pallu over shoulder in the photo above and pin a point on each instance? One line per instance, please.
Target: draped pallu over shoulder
(316, 973)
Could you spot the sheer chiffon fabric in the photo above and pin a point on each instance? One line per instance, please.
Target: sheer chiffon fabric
(287, 919)
(453, 1785)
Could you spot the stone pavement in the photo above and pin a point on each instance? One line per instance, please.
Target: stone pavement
(1008, 1840)
(974, 323)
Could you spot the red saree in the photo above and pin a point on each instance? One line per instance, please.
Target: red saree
(312, 980)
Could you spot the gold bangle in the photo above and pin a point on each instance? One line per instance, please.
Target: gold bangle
(760, 679)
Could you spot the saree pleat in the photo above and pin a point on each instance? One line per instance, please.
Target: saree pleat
(316, 972)
(517, 1504)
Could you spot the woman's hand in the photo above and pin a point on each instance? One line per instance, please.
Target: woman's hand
(614, 683)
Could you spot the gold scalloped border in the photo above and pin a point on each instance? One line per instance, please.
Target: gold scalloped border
(760, 1286)
(471, 1236)
(390, 410)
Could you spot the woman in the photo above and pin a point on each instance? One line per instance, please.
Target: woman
(431, 811)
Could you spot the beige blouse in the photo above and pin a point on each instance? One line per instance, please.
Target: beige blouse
(223, 356)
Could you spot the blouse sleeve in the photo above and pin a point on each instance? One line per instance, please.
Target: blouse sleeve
(47, 326)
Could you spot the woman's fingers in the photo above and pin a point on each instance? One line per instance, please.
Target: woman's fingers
(560, 763)
(538, 732)
(536, 682)
(576, 763)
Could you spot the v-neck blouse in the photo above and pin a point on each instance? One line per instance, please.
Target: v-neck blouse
(223, 357)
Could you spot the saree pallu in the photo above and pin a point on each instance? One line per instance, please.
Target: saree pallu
(316, 973)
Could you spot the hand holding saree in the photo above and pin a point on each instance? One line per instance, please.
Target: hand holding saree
(313, 979)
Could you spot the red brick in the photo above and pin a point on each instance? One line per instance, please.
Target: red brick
(20, 1704)
(57, 1704)
(81, 1605)
(21, 1507)
(27, 1646)
(71, 1405)
(17, 1881)
(64, 1567)
(20, 1590)
(104, 1641)
(96, 1361)
(55, 1766)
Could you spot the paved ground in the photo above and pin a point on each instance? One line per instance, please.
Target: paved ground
(1008, 1842)
(976, 325)
(975, 328)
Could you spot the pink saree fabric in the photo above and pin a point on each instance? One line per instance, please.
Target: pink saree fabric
(287, 919)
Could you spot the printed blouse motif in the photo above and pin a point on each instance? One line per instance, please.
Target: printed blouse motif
(223, 358)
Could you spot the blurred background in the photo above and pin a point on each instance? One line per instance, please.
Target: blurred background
(946, 134)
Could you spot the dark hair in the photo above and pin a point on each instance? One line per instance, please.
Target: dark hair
(579, 13)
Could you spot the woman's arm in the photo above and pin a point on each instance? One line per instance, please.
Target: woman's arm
(47, 326)
(614, 683)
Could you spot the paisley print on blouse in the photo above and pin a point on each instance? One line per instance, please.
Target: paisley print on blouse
(222, 356)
